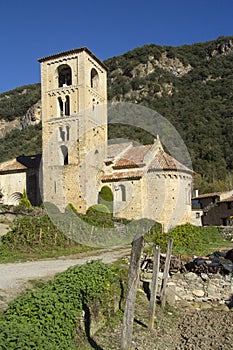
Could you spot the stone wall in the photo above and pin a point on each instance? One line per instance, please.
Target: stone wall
(204, 290)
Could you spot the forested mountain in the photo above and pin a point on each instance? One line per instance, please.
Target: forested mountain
(190, 85)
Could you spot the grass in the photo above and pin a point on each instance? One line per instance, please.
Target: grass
(11, 257)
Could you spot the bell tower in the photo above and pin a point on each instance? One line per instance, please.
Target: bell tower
(74, 125)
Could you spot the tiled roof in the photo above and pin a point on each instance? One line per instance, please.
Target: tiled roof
(11, 165)
(133, 157)
(121, 175)
(71, 52)
(20, 163)
(212, 194)
(163, 161)
(116, 149)
(229, 199)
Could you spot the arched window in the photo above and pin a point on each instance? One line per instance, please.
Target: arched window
(60, 103)
(64, 106)
(64, 75)
(64, 151)
(67, 105)
(94, 79)
(64, 133)
(67, 132)
(123, 193)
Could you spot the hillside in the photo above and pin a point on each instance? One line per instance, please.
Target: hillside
(190, 85)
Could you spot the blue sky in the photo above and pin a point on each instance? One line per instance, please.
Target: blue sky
(31, 29)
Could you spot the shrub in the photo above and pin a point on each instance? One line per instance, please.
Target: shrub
(30, 233)
(188, 238)
(98, 209)
(24, 202)
(47, 318)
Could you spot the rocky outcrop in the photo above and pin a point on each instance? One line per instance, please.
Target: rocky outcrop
(7, 126)
(223, 48)
(173, 65)
(32, 117)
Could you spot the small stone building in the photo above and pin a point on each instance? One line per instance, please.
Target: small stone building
(145, 182)
(216, 208)
(19, 175)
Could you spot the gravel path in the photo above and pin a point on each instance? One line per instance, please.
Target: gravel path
(13, 276)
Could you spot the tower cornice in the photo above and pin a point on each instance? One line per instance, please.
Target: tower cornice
(71, 52)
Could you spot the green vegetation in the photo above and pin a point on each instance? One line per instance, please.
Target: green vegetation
(24, 202)
(21, 142)
(106, 198)
(49, 318)
(188, 239)
(15, 103)
(33, 237)
(98, 209)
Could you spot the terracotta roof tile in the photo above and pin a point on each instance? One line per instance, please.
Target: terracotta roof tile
(163, 161)
(120, 175)
(116, 149)
(133, 157)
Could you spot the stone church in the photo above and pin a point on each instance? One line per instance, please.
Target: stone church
(78, 162)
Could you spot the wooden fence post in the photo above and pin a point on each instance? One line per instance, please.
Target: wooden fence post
(166, 272)
(154, 287)
(133, 279)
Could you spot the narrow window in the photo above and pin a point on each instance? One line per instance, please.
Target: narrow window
(123, 193)
(60, 106)
(67, 106)
(94, 79)
(67, 133)
(65, 159)
(62, 134)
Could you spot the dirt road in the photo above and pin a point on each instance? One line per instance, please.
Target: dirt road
(14, 276)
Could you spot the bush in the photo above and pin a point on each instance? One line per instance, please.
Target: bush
(24, 202)
(30, 233)
(98, 209)
(47, 318)
(187, 238)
